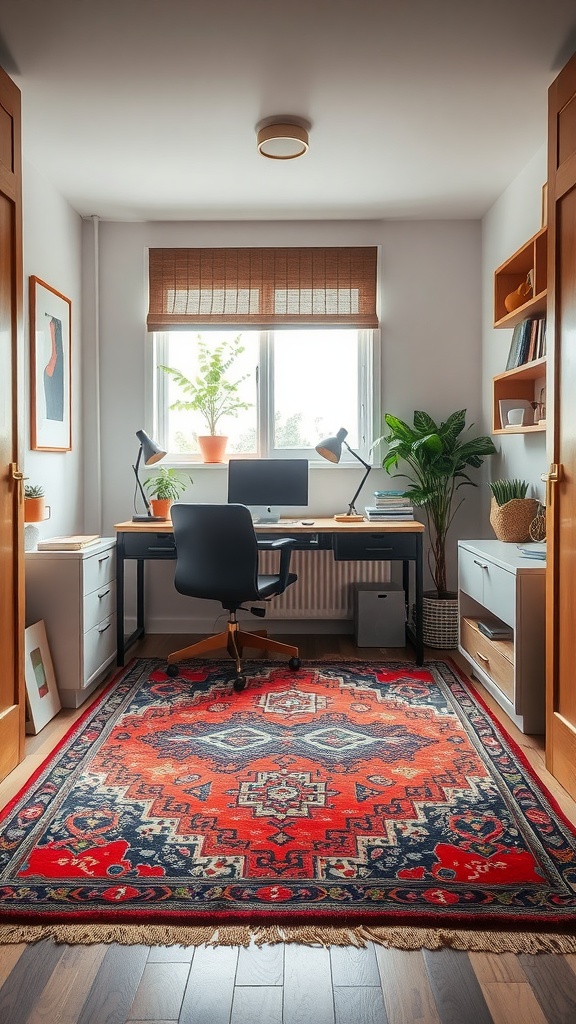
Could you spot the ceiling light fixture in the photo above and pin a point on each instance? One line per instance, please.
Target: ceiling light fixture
(281, 139)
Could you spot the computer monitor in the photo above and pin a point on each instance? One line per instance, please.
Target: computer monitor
(267, 485)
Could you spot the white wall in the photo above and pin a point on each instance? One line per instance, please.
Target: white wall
(513, 219)
(431, 348)
(52, 234)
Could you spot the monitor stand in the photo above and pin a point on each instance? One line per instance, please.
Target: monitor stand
(264, 514)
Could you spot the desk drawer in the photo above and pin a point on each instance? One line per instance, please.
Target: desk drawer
(149, 545)
(373, 546)
(99, 569)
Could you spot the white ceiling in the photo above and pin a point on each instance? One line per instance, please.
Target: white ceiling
(146, 109)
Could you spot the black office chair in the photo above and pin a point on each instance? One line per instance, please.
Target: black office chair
(217, 559)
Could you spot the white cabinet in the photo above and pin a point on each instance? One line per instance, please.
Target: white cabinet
(74, 592)
(495, 581)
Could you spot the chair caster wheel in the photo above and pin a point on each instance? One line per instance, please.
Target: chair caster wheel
(294, 664)
(172, 670)
(239, 683)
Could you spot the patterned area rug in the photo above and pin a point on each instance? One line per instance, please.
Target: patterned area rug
(351, 799)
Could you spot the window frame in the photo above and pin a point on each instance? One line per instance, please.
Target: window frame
(369, 399)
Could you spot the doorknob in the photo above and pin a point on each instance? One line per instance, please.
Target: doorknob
(553, 475)
(16, 475)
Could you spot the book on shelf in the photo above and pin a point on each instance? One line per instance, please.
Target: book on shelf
(388, 515)
(391, 502)
(528, 342)
(388, 494)
(494, 629)
(75, 542)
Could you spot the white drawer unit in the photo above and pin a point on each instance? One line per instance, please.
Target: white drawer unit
(497, 582)
(74, 592)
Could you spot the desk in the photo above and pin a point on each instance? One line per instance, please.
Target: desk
(384, 542)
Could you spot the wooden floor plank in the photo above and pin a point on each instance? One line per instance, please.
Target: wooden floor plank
(355, 967)
(67, 988)
(255, 1003)
(260, 965)
(9, 956)
(358, 1005)
(160, 992)
(115, 985)
(554, 985)
(510, 1001)
(457, 992)
(210, 989)
(171, 954)
(407, 994)
(307, 985)
(25, 984)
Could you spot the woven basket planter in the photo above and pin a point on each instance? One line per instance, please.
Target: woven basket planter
(511, 522)
(440, 621)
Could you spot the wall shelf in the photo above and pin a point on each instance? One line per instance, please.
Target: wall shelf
(531, 257)
(518, 383)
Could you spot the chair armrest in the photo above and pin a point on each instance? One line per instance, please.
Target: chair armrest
(285, 545)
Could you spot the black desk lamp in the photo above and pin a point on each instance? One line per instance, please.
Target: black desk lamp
(152, 453)
(331, 449)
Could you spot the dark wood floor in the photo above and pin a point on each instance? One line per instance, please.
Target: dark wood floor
(48, 983)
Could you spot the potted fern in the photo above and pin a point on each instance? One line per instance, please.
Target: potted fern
(511, 512)
(166, 486)
(438, 457)
(211, 393)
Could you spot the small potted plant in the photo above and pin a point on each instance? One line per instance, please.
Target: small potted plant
(211, 393)
(165, 487)
(34, 504)
(511, 512)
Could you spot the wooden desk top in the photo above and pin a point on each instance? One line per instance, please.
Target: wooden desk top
(292, 526)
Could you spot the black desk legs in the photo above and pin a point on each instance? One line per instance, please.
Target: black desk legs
(419, 623)
(122, 641)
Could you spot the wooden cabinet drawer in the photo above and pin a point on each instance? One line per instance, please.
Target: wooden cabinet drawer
(374, 546)
(99, 605)
(99, 647)
(500, 593)
(471, 570)
(493, 657)
(99, 569)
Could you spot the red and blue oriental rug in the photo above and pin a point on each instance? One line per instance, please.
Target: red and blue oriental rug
(373, 800)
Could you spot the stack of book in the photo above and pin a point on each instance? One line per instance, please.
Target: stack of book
(389, 505)
(528, 342)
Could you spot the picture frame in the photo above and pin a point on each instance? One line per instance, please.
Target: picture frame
(42, 697)
(50, 373)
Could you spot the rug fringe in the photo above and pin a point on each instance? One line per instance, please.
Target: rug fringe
(308, 935)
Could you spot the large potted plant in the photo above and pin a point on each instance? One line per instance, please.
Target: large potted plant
(165, 487)
(438, 457)
(211, 393)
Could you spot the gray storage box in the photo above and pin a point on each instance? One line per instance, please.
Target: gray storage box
(379, 615)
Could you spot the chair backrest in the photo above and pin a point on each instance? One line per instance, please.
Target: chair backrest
(216, 552)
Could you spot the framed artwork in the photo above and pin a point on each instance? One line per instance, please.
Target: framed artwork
(50, 348)
(42, 697)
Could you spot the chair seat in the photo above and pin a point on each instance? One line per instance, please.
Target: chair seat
(268, 585)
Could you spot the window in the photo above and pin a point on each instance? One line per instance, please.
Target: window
(295, 329)
(294, 387)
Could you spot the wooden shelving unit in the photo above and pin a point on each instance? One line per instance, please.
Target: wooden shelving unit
(510, 275)
(520, 382)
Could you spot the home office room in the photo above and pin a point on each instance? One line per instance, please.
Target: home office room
(299, 741)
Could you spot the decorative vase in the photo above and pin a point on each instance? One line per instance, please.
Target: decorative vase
(161, 507)
(440, 620)
(31, 536)
(213, 447)
(511, 522)
(518, 297)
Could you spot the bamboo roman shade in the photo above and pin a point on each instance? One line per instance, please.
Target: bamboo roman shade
(262, 288)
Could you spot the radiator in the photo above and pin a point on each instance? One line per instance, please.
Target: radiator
(325, 587)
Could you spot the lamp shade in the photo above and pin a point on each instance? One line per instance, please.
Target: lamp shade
(282, 141)
(331, 447)
(151, 451)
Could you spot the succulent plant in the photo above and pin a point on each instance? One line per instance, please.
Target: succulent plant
(33, 491)
(506, 490)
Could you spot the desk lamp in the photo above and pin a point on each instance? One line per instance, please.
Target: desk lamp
(331, 449)
(152, 453)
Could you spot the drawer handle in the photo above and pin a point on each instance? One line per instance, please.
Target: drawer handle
(165, 547)
(379, 548)
(483, 565)
(103, 594)
(104, 558)
(483, 657)
(107, 626)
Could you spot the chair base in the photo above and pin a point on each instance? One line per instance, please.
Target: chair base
(234, 640)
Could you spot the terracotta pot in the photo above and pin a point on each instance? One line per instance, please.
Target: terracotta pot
(35, 510)
(518, 297)
(161, 507)
(213, 447)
